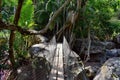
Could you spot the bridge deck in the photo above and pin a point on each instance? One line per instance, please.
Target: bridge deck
(57, 72)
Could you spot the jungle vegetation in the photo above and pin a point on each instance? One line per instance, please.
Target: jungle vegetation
(21, 20)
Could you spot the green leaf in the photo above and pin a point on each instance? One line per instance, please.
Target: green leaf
(27, 13)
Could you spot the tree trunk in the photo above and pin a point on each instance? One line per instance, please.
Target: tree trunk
(11, 51)
(0, 9)
(12, 34)
(11, 41)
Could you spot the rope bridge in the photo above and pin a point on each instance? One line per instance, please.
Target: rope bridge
(64, 61)
(57, 71)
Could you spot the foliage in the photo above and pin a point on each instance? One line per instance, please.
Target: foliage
(26, 18)
(3, 48)
(96, 15)
(43, 12)
(26, 21)
(8, 9)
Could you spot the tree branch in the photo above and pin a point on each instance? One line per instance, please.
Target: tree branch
(54, 16)
(17, 14)
(33, 32)
(18, 28)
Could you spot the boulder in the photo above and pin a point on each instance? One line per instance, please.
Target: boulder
(112, 53)
(37, 49)
(39, 38)
(109, 44)
(100, 50)
(110, 70)
(37, 70)
(43, 49)
(91, 69)
(97, 52)
(116, 39)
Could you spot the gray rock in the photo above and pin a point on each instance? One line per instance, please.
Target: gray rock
(108, 45)
(37, 70)
(37, 49)
(112, 53)
(117, 39)
(110, 70)
(43, 49)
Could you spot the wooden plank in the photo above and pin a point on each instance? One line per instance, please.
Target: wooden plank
(53, 72)
(60, 65)
(57, 72)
